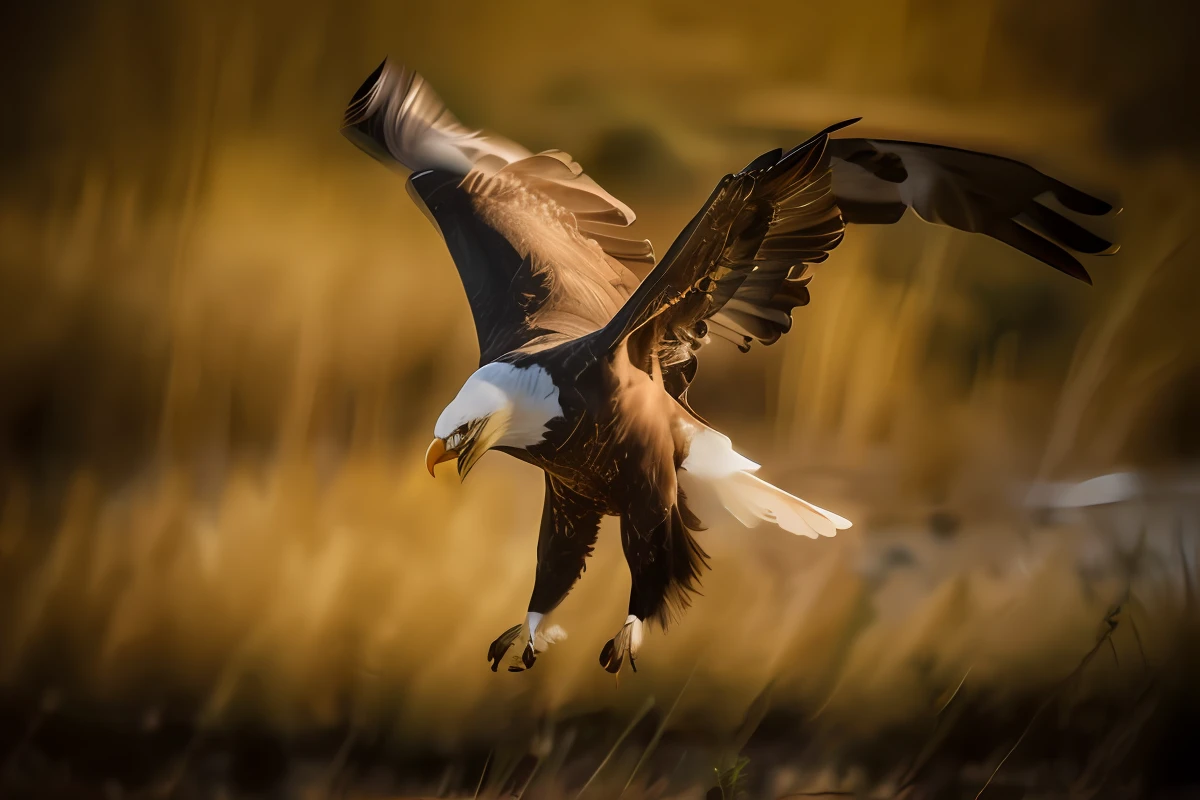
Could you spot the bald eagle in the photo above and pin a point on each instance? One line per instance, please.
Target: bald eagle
(584, 369)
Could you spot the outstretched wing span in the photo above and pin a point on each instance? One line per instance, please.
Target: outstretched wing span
(536, 241)
(743, 263)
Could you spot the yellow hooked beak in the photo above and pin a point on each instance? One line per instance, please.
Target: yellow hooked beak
(467, 444)
(437, 453)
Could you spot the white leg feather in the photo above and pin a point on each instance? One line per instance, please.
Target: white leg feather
(532, 620)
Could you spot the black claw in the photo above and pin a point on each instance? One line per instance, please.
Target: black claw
(607, 661)
(606, 653)
(528, 656)
(500, 646)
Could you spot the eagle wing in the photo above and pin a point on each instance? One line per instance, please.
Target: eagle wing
(877, 181)
(739, 267)
(537, 243)
(744, 262)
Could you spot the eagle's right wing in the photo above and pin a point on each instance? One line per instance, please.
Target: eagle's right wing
(536, 241)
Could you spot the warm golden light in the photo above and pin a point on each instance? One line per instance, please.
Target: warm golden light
(227, 333)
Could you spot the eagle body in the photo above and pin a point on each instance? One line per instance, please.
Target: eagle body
(612, 449)
(584, 368)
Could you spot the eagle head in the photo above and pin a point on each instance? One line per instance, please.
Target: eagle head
(501, 405)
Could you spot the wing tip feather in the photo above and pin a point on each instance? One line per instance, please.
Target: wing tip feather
(360, 102)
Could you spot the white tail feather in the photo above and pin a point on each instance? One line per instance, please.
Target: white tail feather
(714, 463)
(752, 500)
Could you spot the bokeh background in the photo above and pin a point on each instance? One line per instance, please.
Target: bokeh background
(226, 334)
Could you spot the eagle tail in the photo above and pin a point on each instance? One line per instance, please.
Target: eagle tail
(753, 500)
(728, 475)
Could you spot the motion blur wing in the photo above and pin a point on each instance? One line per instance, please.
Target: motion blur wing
(536, 242)
(876, 181)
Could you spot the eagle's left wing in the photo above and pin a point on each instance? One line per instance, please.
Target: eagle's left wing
(536, 241)
(742, 264)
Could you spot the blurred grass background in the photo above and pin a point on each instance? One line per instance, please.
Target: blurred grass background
(226, 335)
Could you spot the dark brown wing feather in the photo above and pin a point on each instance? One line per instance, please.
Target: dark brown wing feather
(739, 268)
(876, 181)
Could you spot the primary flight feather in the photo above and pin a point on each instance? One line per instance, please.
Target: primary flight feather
(584, 369)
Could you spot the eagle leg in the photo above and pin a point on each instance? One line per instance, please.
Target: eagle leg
(664, 566)
(500, 646)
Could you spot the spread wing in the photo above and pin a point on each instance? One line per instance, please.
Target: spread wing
(739, 267)
(743, 263)
(537, 243)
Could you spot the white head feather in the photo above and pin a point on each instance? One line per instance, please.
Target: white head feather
(524, 397)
